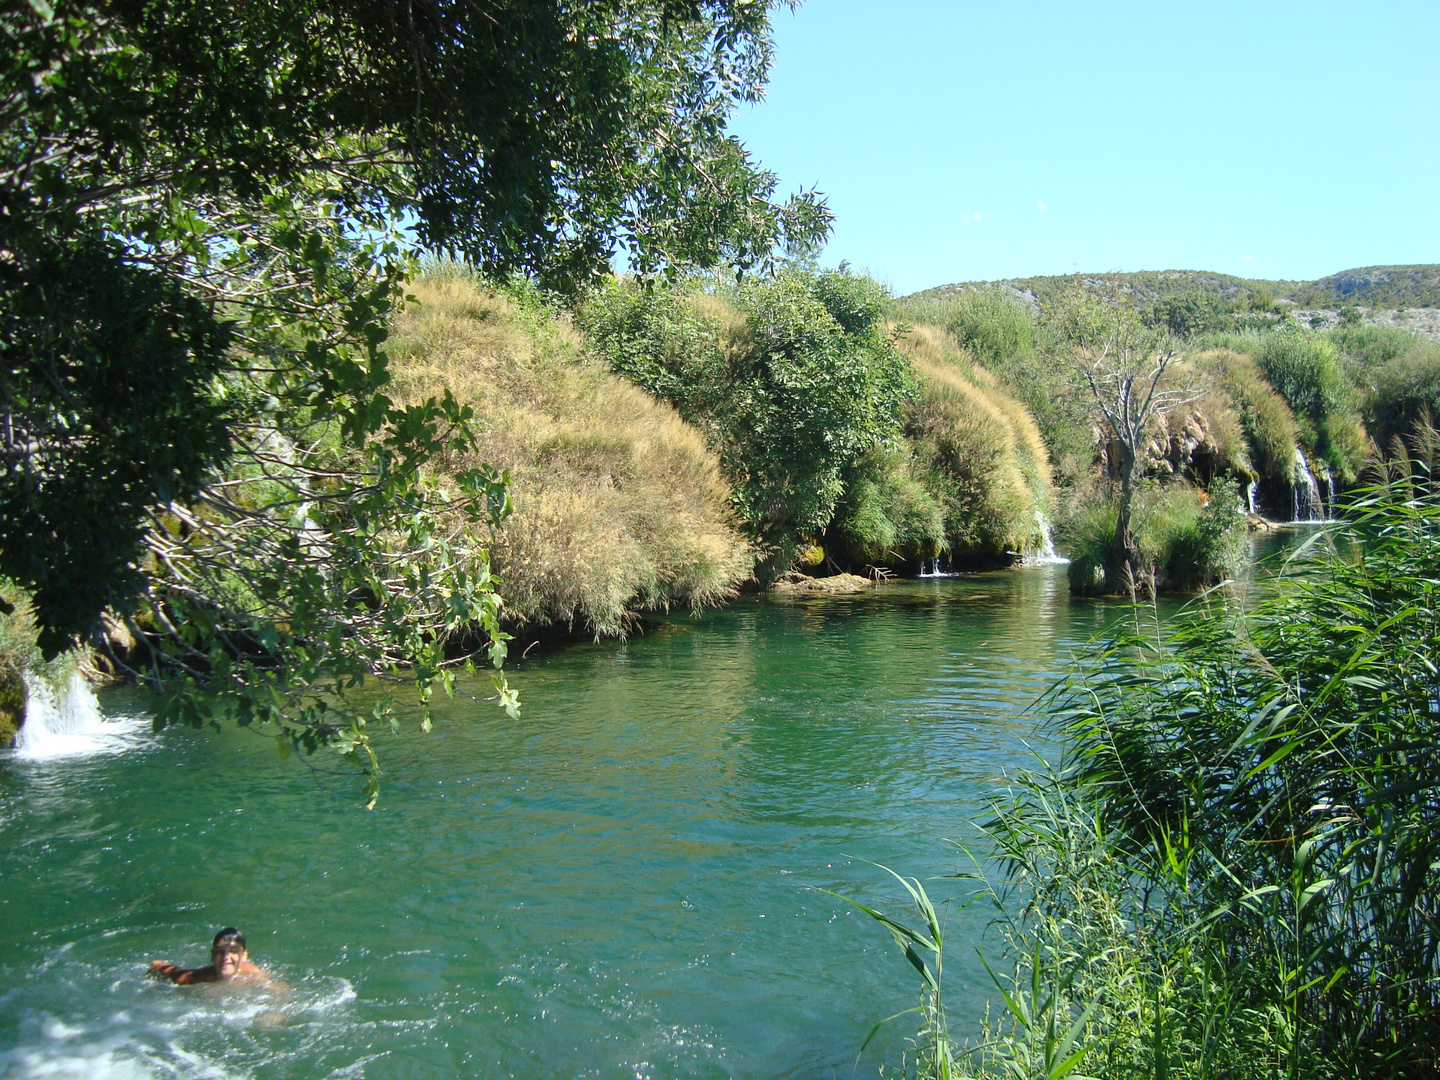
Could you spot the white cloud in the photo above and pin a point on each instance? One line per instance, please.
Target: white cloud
(1247, 258)
(1042, 205)
(970, 219)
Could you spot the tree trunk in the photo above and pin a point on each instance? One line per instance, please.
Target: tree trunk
(1122, 566)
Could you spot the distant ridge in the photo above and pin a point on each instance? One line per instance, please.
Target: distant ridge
(1372, 286)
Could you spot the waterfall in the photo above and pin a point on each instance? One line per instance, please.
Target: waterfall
(934, 567)
(1328, 491)
(1044, 555)
(1250, 494)
(1307, 503)
(66, 720)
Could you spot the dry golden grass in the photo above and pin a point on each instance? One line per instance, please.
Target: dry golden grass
(986, 440)
(619, 507)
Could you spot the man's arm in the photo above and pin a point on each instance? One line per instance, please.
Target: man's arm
(164, 969)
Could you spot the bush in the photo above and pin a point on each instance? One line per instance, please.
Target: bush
(1306, 370)
(619, 507)
(1088, 536)
(1188, 539)
(1007, 337)
(887, 515)
(1258, 795)
(1399, 373)
(1271, 432)
(1193, 539)
(791, 379)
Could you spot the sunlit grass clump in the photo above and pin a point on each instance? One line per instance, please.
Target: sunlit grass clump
(619, 507)
(979, 448)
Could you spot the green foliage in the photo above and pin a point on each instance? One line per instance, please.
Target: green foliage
(1305, 369)
(1201, 292)
(994, 325)
(1399, 373)
(791, 385)
(977, 450)
(1088, 537)
(1008, 337)
(886, 515)
(931, 1052)
(619, 507)
(1116, 972)
(196, 206)
(1261, 786)
(1271, 433)
(1187, 539)
(1192, 539)
(18, 653)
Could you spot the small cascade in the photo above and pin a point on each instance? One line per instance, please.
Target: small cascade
(63, 720)
(931, 568)
(1251, 493)
(1328, 491)
(1307, 503)
(1044, 555)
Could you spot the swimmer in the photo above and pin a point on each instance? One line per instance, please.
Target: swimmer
(229, 963)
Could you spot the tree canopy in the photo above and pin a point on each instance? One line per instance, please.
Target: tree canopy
(207, 214)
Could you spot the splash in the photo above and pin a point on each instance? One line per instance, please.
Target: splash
(1044, 554)
(1308, 506)
(67, 720)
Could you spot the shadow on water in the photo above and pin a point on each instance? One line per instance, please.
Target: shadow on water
(624, 882)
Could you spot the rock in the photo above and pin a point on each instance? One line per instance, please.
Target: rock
(12, 705)
(810, 555)
(838, 585)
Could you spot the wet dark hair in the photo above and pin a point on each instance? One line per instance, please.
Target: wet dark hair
(229, 939)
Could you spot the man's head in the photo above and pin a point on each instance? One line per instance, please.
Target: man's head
(228, 952)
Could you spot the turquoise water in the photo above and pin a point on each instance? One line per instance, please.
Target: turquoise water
(625, 883)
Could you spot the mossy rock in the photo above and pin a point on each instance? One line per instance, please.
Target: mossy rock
(810, 554)
(12, 706)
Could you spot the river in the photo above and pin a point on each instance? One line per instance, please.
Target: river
(625, 883)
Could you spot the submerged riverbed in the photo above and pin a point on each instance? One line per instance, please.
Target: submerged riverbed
(623, 883)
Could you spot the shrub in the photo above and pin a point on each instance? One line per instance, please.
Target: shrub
(1263, 784)
(1188, 539)
(1192, 539)
(1088, 536)
(1271, 432)
(619, 507)
(1399, 375)
(1305, 369)
(887, 515)
(791, 379)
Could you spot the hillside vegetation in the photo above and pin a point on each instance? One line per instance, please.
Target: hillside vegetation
(1375, 286)
(619, 507)
(851, 443)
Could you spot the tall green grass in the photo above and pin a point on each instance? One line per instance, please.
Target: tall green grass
(1231, 872)
(1189, 539)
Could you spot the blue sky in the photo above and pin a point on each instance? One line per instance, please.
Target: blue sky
(974, 141)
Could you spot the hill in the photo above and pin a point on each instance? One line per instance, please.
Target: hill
(1385, 287)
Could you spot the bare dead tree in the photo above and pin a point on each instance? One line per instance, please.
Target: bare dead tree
(1129, 370)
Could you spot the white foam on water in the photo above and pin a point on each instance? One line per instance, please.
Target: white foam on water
(67, 721)
(106, 1050)
(1044, 555)
(160, 1032)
